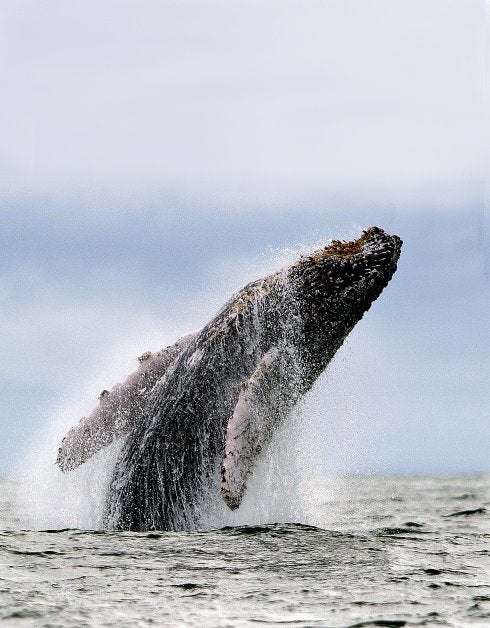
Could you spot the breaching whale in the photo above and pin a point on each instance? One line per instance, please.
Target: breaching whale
(198, 413)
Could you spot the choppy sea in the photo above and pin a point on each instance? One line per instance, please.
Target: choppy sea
(388, 551)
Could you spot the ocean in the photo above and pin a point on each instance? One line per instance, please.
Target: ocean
(383, 551)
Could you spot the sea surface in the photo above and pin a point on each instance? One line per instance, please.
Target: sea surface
(395, 551)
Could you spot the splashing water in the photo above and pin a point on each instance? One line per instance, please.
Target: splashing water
(50, 499)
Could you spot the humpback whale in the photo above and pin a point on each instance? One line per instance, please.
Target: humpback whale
(198, 414)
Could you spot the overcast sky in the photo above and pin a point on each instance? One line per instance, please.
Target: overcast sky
(155, 156)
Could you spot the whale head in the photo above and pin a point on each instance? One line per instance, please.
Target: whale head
(334, 286)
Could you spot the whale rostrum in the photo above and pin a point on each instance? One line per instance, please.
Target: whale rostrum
(197, 414)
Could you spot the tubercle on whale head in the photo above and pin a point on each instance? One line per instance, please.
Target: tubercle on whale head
(370, 240)
(349, 249)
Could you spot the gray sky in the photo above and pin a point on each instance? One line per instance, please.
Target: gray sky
(154, 156)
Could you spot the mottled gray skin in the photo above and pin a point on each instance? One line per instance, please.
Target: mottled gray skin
(170, 464)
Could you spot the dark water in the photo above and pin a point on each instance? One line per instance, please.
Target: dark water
(397, 552)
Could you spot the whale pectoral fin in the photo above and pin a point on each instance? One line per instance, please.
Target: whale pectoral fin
(120, 409)
(260, 406)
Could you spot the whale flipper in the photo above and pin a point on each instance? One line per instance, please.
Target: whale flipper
(262, 403)
(119, 409)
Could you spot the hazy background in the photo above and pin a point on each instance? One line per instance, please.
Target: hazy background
(154, 156)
